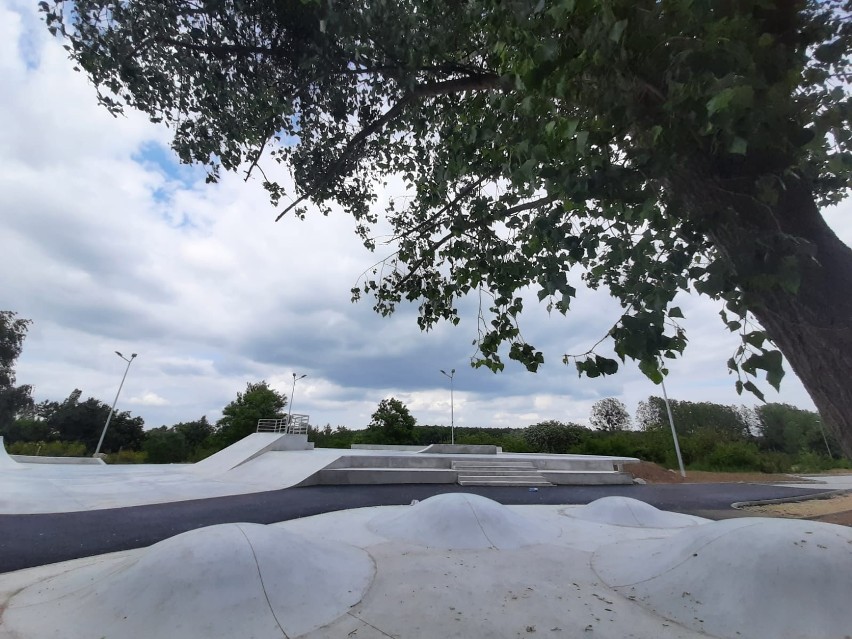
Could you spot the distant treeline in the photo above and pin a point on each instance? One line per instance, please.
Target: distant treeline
(769, 438)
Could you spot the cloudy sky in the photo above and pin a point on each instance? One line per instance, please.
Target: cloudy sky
(107, 244)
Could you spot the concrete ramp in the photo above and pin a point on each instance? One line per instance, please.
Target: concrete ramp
(248, 448)
(5, 460)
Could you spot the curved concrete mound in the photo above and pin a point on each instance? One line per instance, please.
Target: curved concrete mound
(624, 511)
(5, 460)
(750, 577)
(457, 521)
(231, 580)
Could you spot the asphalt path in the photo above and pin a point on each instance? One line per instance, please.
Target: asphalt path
(35, 540)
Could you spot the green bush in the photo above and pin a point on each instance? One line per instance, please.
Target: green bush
(809, 462)
(554, 437)
(731, 456)
(127, 457)
(48, 449)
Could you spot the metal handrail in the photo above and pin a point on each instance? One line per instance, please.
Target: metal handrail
(294, 425)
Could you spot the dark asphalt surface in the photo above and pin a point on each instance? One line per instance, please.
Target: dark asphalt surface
(35, 540)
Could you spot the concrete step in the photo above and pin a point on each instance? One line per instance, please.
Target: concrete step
(460, 465)
(502, 481)
(499, 472)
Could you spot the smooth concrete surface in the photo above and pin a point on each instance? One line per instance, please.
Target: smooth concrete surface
(248, 448)
(523, 571)
(5, 460)
(458, 521)
(624, 511)
(47, 488)
(828, 482)
(752, 577)
(231, 580)
(249, 466)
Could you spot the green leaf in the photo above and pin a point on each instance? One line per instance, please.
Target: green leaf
(675, 311)
(617, 30)
(582, 140)
(606, 366)
(651, 370)
(774, 369)
(738, 146)
(754, 390)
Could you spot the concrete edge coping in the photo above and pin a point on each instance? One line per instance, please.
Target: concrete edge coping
(792, 500)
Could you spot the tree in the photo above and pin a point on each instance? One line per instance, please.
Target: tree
(653, 147)
(392, 423)
(76, 421)
(165, 446)
(240, 417)
(790, 430)
(610, 414)
(651, 414)
(14, 400)
(726, 422)
(194, 433)
(552, 436)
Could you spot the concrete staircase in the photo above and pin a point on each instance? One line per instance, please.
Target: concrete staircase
(498, 473)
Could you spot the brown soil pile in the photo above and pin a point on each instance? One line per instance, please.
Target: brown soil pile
(837, 510)
(655, 474)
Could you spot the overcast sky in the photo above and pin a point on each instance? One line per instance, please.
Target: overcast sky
(108, 245)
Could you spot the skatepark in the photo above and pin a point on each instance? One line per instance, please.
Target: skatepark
(448, 563)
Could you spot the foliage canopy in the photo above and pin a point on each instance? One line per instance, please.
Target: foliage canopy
(649, 147)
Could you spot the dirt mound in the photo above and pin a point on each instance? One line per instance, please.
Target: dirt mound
(656, 474)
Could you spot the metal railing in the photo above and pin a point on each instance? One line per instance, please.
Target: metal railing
(295, 425)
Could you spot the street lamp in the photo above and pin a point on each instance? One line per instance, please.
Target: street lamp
(290, 409)
(451, 374)
(674, 432)
(112, 410)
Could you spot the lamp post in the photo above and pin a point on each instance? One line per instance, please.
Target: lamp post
(112, 410)
(290, 408)
(674, 432)
(451, 374)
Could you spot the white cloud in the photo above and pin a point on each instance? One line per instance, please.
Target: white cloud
(105, 250)
(148, 399)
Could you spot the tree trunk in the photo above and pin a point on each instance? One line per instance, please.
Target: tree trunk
(811, 326)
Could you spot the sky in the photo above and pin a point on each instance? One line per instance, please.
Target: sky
(107, 244)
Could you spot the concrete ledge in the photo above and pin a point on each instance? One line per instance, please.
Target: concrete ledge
(791, 500)
(390, 461)
(413, 449)
(586, 477)
(38, 459)
(462, 449)
(338, 476)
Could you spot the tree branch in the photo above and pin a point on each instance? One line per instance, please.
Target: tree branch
(483, 82)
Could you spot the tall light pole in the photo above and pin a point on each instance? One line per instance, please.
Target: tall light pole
(674, 432)
(112, 410)
(451, 374)
(290, 407)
